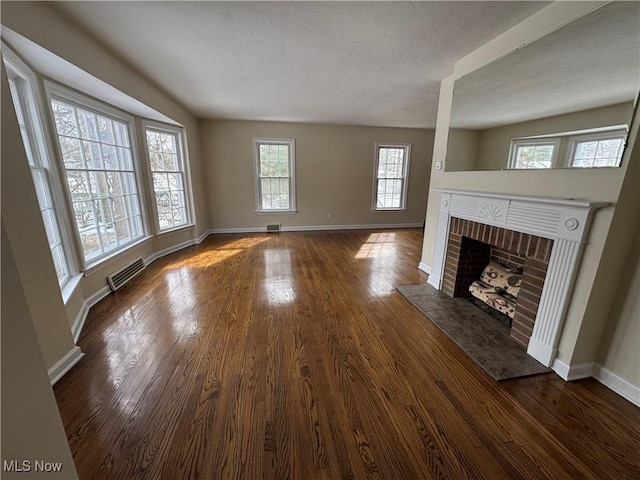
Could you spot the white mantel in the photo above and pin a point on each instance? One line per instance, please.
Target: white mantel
(565, 221)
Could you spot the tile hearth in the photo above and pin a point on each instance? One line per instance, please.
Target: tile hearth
(479, 335)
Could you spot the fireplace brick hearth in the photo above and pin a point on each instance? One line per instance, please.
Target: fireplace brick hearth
(469, 248)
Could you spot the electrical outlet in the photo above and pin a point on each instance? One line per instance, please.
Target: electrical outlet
(328, 215)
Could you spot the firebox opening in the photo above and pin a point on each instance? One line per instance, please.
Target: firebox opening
(470, 248)
(481, 263)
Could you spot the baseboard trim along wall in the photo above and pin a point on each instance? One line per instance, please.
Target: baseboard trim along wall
(153, 257)
(618, 384)
(622, 387)
(65, 364)
(313, 228)
(78, 323)
(202, 237)
(424, 267)
(572, 372)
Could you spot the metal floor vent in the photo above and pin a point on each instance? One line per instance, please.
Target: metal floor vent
(273, 227)
(122, 276)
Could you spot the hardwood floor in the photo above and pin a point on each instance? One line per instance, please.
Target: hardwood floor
(292, 356)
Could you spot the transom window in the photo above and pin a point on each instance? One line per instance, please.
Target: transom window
(98, 160)
(33, 140)
(531, 154)
(275, 174)
(597, 150)
(165, 151)
(391, 167)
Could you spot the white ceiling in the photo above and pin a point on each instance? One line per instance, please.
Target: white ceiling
(364, 63)
(591, 62)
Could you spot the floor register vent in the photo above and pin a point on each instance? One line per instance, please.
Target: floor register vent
(118, 279)
(273, 227)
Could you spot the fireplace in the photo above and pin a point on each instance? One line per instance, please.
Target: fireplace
(470, 247)
(549, 233)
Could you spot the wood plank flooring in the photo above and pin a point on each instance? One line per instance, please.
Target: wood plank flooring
(291, 355)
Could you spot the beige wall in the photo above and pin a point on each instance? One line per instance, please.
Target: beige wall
(37, 432)
(619, 350)
(494, 143)
(593, 294)
(41, 24)
(334, 174)
(462, 149)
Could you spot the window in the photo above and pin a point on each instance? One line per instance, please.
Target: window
(98, 161)
(391, 167)
(532, 153)
(164, 148)
(597, 150)
(275, 174)
(32, 136)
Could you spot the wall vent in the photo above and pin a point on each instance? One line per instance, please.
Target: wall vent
(273, 227)
(118, 279)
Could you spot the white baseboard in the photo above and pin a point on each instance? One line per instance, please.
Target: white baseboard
(424, 267)
(202, 237)
(214, 231)
(65, 364)
(374, 226)
(572, 372)
(153, 257)
(618, 384)
(313, 228)
(78, 323)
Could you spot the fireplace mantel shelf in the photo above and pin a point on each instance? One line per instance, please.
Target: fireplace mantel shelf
(565, 221)
(566, 202)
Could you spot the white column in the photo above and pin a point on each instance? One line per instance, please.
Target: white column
(437, 270)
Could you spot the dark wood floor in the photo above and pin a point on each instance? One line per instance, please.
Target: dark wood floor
(292, 356)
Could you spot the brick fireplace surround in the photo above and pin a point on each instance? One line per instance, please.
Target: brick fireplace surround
(550, 231)
(465, 261)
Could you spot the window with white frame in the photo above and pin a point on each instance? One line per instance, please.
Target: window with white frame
(602, 149)
(97, 155)
(391, 179)
(534, 153)
(275, 174)
(166, 160)
(23, 97)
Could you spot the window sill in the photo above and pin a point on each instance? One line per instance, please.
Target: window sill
(70, 287)
(172, 231)
(374, 210)
(103, 262)
(276, 212)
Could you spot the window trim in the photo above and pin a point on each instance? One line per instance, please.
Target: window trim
(533, 142)
(54, 91)
(180, 134)
(621, 134)
(47, 161)
(291, 143)
(405, 176)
